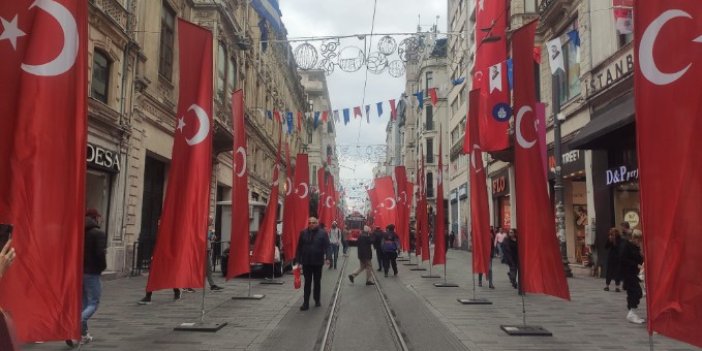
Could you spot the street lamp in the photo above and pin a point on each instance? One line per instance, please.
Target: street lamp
(558, 183)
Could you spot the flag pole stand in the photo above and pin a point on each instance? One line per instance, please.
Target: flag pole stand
(474, 300)
(202, 325)
(524, 329)
(430, 275)
(409, 254)
(445, 284)
(249, 296)
(272, 280)
(419, 267)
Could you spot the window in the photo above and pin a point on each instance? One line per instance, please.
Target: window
(430, 185)
(568, 82)
(231, 83)
(165, 60)
(429, 79)
(101, 76)
(430, 150)
(530, 6)
(314, 175)
(624, 22)
(429, 118)
(221, 69)
(454, 106)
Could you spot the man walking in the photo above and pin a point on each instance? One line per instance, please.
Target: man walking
(629, 260)
(365, 255)
(377, 244)
(391, 244)
(311, 249)
(334, 242)
(94, 263)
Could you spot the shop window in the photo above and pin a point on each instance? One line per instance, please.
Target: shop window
(165, 60)
(99, 84)
(568, 82)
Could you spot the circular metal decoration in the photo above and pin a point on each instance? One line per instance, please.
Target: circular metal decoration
(376, 63)
(502, 112)
(387, 45)
(408, 49)
(305, 56)
(327, 65)
(396, 69)
(351, 59)
(329, 48)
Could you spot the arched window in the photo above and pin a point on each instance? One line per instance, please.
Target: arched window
(101, 76)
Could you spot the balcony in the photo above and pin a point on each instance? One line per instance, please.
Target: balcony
(114, 10)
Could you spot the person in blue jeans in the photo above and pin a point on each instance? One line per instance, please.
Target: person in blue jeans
(94, 263)
(334, 242)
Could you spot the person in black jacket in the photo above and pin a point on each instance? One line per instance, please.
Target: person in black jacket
(94, 263)
(613, 245)
(390, 246)
(510, 253)
(377, 242)
(311, 250)
(365, 255)
(629, 260)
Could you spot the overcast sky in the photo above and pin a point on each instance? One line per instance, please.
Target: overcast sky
(313, 18)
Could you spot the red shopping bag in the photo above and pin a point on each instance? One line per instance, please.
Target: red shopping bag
(296, 273)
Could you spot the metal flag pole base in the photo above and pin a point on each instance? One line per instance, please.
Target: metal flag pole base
(430, 275)
(445, 284)
(272, 280)
(249, 296)
(525, 330)
(474, 300)
(419, 266)
(410, 260)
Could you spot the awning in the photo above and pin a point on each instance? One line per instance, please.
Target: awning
(597, 133)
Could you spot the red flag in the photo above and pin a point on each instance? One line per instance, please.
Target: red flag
(409, 190)
(357, 112)
(491, 23)
(43, 116)
(289, 222)
(426, 255)
(387, 205)
(439, 226)
(537, 54)
(322, 183)
(264, 246)
(278, 118)
(239, 247)
(401, 226)
(325, 116)
(667, 123)
(299, 121)
(179, 256)
(329, 203)
(393, 109)
(432, 95)
(302, 198)
(479, 211)
(374, 212)
(541, 269)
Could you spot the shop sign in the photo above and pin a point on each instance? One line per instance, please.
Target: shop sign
(500, 184)
(622, 174)
(611, 74)
(99, 157)
(571, 161)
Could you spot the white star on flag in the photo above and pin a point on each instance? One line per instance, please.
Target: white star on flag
(181, 124)
(11, 31)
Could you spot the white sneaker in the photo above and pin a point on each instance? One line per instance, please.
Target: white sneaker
(632, 317)
(87, 338)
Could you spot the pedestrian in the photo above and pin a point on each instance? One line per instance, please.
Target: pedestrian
(499, 239)
(210, 237)
(629, 260)
(365, 256)
(510, 254)
(334, 242)
(345, 241)
(391, 244)
(614, 246)
(488, 276)
(452, 238)
(94, 263)
(377, 244)
(311, 249)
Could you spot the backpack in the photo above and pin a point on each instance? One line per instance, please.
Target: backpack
(389, 245)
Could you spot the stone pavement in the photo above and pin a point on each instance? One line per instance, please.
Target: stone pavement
(593, 320)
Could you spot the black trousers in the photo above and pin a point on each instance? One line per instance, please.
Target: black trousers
(633, 292)
(312, 271)
(379, 255)
(390, 258)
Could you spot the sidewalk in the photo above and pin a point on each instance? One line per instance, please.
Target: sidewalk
(593, 320)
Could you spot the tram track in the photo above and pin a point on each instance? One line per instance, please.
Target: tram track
(326, 341)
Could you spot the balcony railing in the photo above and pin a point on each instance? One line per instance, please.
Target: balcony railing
(545, 4)
(113, 9)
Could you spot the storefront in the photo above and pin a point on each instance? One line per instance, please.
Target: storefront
(459, 215)
(502, 202)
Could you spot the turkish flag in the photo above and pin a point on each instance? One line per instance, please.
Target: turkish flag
(289, 223)
(668, 123)
(393, 110)
(43, 116)
(540, 266)
(302, 199)
(402, 227)
(479, 211)
(329, 203)
(239, 247)
(439, 225)
(387, 205)
(322, 184)
(490, 74)
(432, 95)
(264, 246)
(409, 191)
(423, 215)
(373, 199)
(179, 256)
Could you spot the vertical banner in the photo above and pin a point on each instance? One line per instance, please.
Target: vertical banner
(426, 255)
(387, 205)
(264, 246)
(540, 266)
(302, 199)
(43, 117)
(289, 223)
(401, 227)
(439, 225)
(179, 256)
(668, 124)
(240, 241)
(479, 211)
(409, 191)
